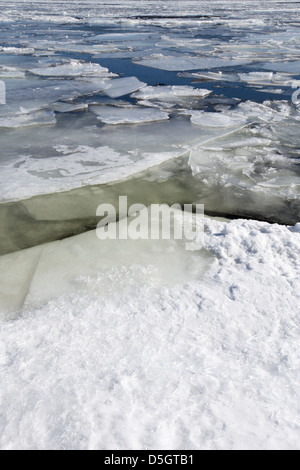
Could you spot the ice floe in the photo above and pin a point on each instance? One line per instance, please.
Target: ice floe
(252, 78)
(216, 120)
(122, 86)
(75, 68)
(69, 107)
(11, 72)
(33, 95)
(170, 93)
(72, 168)
(181, 63)
(128, 115)
(290, 67)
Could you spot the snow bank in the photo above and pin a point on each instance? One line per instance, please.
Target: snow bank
(87, 364)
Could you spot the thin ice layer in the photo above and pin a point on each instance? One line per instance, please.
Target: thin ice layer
(41, 118)
(128, 115)
(122, 86)
(73, 168)
(170, 93)
(255, 170)
(74, 68)
(31, 95)
(44, 278)
(181, 63)
(252, 78)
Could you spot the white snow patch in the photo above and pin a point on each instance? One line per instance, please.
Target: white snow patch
(113, 364)
(75, 167)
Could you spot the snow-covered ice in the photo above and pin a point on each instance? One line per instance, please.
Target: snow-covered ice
(172, 93)
(122, 86)
(177, 63)
(27, 120)
(73, 69)
(122, 362)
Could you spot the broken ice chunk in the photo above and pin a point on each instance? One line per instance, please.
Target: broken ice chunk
(122, 86)
(166, 97)
(181, 63)
(128, 115)
(11, 72)
(216, 76)
(122, 37)
(72, 167)
(27, 120)
(291, 67)
(169, 93)
(256, 77)
(17, 50)
(253, 78)
(68, 107)
(215, 120)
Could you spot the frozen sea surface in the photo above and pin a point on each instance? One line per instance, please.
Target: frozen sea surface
(146, 345)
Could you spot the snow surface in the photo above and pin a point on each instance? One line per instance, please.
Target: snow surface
(122, 86)
(127, 363)
(175, 63)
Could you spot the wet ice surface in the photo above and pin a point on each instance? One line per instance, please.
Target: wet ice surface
(169, 102)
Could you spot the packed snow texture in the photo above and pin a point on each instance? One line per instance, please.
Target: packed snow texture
(123, 362)
(144, 345)
(175, 63)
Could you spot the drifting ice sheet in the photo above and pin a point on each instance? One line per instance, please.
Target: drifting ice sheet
(176, 63)
(169, 93)
(290, 67)
(122, 86)
(215, 120)
(32, 95)
(128, 115)
(73, 168)
(41, 118)
(75, 68)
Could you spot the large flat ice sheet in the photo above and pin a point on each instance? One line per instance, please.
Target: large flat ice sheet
(181, 63)
(128, 115)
